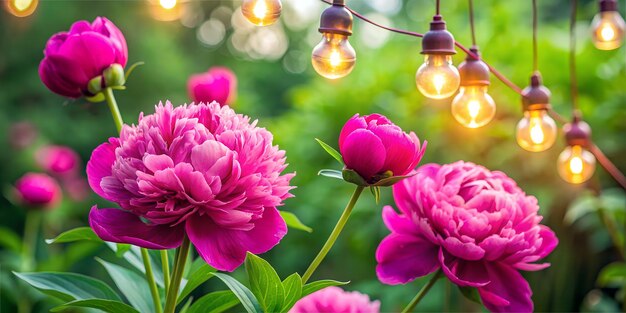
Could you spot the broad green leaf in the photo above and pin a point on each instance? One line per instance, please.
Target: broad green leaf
(187, 305)
(214, 302)
(331, 173)
(76, 234)
(121, 249)
(293, 291)
(195, 279)
(613, 275)
(134, 287)
(471, 294)
(245, 296)
(69, 286)
(10, 240)
(133, 256)
(353, 177)
(109, 306)
(265, 283)
(330, 150)
(320, 284)
(294, 222)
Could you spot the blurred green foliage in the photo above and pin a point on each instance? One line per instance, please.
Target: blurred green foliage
(300, 107)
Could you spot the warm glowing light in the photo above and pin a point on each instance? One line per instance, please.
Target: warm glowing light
(21, 8)
(260, 9)
(607, 33)
(437, 78)
(576, 165)
(333, 57)
(261, 12)
(537, 131)
(473, 107)
(608, 30)
(167, 4)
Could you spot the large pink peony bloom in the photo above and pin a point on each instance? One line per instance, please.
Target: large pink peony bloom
(335, 300)
(477, 226)
(200, 170)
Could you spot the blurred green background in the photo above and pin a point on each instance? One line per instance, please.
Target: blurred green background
(278, 86)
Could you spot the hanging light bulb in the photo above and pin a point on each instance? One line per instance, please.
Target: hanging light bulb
(537, 131)
(608, 26)
(166, 10)
(334, 57)
(437, 78)
(473, 107)
(21, 8)
(576, 164)
(261, 12)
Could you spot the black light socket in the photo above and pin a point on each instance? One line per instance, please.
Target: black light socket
(438, 40)
(536, 96)
(473, 71)
(577, 133)
(336, 20)
(608, 5)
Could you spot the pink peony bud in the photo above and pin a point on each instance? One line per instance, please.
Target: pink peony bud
(374, 147)
(38, 190)
(58, 160)
(218, 84)
(334, 299)
(73, 58)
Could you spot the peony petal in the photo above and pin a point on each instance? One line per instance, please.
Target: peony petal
(363, 152)
(225, 249)
(354, 123)
(124, 227)
(91, 51)
(508, 291)
(461, 272)
(401, 150)
(100, 164)
(402, 258)
(465, 250)
(61, 76)
(108, 29)
(549, 241)
(399, 223)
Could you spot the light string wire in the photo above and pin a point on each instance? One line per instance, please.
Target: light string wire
(471, 20)
(535, 49)
(572, 59)
(437, 5)
(604, 161)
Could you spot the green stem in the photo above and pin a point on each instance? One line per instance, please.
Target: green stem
(333, 235)
(420, 295)
(165, 264)
(31, 231)
(156, 299)
(115, 111)
(177, 276)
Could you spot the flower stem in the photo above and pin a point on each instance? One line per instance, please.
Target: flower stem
(31, 231)
(115, 110)
(333, 235)
(177, 276)
(156, 299)
(420, 295)
(165, 264)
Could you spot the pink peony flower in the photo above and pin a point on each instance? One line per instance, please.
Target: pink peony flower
(38, 190)
(218, 84)
(374, 147)
(477, 226)
(58, 160)
(73, 58)
(335, 300)
(200, 170)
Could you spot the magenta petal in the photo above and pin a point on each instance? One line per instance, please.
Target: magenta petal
(354, 123)
(508, 291)
(462, 272)
(124, 227)
(225, 249)
(91, 51)
(400, 224)
(364, 153)
(99, 165)
(549, 242)
(61, 76)
(402, 258)
(107, 28)
(401, 150)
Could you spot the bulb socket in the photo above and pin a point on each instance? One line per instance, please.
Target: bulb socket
(473, 71)
(536, 96)
(577, 133)
(438, 40)
(336, 20)
(608, 5)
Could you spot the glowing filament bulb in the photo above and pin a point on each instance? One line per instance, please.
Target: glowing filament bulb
(473, 107)
(261, 12)
(576, 164)
(608, 30)
(22, 5)
(167, 4)
(333, 57)
(21, 8)
(439, 81)
(437, 78)
(536, 133)
(260, 9)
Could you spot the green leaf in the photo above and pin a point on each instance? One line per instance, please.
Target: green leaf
(331, 173)
(330, 150)
(293, 291)
(320, 284)
(294, 222)
(134, 287)
(121, 249)
(187, 305)
(386, 182)
(264, 283)
(133, 256)
(471, 294)
(109, 306)
(10, 240)
(376, 193)
(214, 302)
(245, 296)
(353, 177)
(613, 275)
(132, 68)
(69, 286)
(76, 234)
(196, 278)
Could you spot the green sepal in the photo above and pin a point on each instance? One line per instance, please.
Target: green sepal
(390, 181)
(353, 177)
(95, 85)
(99, 97)
(132, 68)
(114, 76)
(376, 193)
(330, 150)
(331, 173)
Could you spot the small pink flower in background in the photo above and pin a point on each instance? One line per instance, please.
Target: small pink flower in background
(477, 226)
(22, 134)
(219, 84)
(73, 58)
(58, 160)
(200, 170)
(38, 190)
(372, 146)
(336, 300)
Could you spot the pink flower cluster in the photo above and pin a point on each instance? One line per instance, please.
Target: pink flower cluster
(477, 226)
(197, 170)
(218, 84)
(336, 300)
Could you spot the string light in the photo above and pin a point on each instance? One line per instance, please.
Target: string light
(537, 131)
(261, 12)
(576, 164)
(21, 8)
(608, 26)
(334, 57)
(166, 10)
